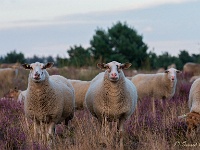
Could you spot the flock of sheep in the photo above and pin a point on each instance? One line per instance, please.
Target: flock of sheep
(110, 96)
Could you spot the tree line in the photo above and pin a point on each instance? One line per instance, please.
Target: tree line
(120, 42)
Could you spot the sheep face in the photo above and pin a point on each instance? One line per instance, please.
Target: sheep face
(171, 73)
(37, 70)
(114, 68)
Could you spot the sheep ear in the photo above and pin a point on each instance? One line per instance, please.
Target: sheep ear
(125, 65)
(102, 65)
(48, 65)
(16, 88)
(26, 66)
(178, 71)
(166, 71)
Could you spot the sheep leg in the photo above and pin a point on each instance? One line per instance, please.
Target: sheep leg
(36, 129)
(153, 107)
(51, 131)
(68, 119)
(103, 140)
(43, 136)
(121, 133)
(161, 103)
(27, 124)
(103, 125)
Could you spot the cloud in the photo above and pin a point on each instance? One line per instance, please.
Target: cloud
(23, 14)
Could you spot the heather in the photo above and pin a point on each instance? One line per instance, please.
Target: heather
(143, 130)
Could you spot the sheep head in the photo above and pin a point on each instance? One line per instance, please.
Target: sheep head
(113, 68)
(171, 73)
(37, 70)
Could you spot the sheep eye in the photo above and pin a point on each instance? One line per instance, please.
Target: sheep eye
(107, 67)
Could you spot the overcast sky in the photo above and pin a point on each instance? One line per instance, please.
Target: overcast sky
(49, 27)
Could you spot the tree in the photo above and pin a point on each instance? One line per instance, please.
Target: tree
(35, 58)
(165, 60)
(185, 57)
(100, 46)
(79, 56)
(152, 60)
(196, 58)
(120, 43)
(49, 59)
(14, 57)
(61, 62)
(127, 42)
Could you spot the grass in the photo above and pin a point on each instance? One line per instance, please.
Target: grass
(142, 130)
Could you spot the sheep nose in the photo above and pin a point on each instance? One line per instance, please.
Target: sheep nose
(173, 77)
(37, 75)
(113, 74)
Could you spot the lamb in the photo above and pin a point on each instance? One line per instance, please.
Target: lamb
(49, 100)
(160, 85)
(111, 95)
(191, 68)
(193, 117)
(80, 88)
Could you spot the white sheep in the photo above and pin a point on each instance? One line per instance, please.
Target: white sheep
(111, 95)
(191, 68)
(172, 66)
(193, 78)
(22, 96)
(10, 65)
(8, 77)
(80, 88)
(193, 117)
(159, 86)
(8, 74)
(49, 100)
(130, 78)
(156, 86)
(160, 70)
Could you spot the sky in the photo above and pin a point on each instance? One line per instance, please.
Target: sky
(49, 27)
